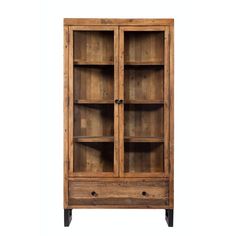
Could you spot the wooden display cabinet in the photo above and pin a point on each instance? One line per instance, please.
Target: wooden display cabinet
(118, 114)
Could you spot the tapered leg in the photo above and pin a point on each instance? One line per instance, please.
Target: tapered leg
(67, 217)
(170, 217)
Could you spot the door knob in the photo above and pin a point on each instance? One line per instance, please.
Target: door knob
(119, 101)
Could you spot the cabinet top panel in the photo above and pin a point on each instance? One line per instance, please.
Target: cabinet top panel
(110, 21)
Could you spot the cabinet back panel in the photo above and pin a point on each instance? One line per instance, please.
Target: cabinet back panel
(94, 46)
(94, 120)
(144, 120)
(144, 47)
(93, 157)
(144, 157)
(143, 83)
(94, 82)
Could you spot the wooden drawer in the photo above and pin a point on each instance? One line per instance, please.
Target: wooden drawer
(118, 192)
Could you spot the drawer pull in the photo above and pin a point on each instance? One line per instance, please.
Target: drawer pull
(93, 193)
(144, 193)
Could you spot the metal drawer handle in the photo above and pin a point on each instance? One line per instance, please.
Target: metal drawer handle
(94, 194)
(144, 193)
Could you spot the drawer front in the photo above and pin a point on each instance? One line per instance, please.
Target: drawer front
(153, 192)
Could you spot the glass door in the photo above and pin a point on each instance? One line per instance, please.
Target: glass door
(144, 90)
(93, 87)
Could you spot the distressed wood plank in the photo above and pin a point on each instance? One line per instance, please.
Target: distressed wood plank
(122, 192)
(116, 106)
(110, 21)
(166, 98)
(66, 114)
(171, 147)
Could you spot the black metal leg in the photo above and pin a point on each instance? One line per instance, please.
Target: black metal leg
(67, 217)
(170, 217)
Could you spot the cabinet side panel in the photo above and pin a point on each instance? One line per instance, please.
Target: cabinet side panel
(166, 99)
(171, 179)
(66, 51)
(71, 99)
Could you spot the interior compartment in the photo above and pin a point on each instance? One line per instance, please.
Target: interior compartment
(94, 82)
(94, 47)
(94, 120)
(93, 157)
(144, 47)
(144, 120)
(144, 157)
(144, 82)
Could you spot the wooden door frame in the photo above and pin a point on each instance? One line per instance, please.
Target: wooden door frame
(66, 114)
(122, 29)
(70, 109)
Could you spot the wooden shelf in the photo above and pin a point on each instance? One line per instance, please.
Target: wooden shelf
(143, 139)
(92, 101)
(80, 62)
(144, 102)
(90, 139)
(144, 63)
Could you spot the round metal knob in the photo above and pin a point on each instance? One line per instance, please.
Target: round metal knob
(93, 193)
(119, 101)
(144, 193)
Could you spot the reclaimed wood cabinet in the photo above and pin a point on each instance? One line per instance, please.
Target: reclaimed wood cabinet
(118, 114)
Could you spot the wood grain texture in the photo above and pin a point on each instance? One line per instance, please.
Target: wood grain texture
(116, 106)
(88, 139)
(112, 21)
(83, 62)
(138, 139)
(94, 120)
(121, 106)
(166, 98)
(93, 101)
(70, 99)
(145, 101)
(118, 193)
(125, 179)
(122, 152)
(171, 150)
(66, 114)
(144, 84)
(93, 47)
(94, 83)
(147, 175)
(144, 120)
(143, 46)
(144, 63)
(93, 157)
(93, 174)
(143, 158)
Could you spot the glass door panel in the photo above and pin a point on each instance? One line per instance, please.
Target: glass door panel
(94, 80)
(143, 76)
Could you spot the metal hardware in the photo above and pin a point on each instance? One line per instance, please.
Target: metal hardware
(119, 101)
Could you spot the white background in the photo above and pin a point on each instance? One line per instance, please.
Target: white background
(31, 119)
